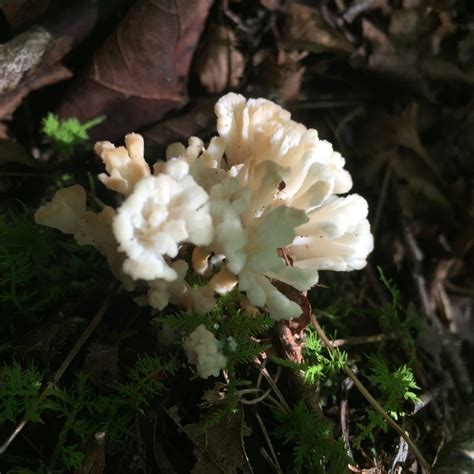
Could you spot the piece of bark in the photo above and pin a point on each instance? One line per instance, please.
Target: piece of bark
(140, 73)
(28, 62)
(31, 60)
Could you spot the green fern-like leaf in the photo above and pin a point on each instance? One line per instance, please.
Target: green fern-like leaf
(19, 391)
(66, 135)
(315, 447)
(396, 387)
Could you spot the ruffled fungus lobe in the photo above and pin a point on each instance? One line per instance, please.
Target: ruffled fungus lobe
(162, 292)
(287, 170)
(125, 165)
(162, 212)
(258, 130)
(67, 212)
(204, 350)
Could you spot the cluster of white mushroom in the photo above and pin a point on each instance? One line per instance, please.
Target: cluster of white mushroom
(265, 187)
(259, 205)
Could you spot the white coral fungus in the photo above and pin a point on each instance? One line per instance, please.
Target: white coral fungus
(125, 165)
(264, 188)
(162, 212)
(288, 180)
(205, 351)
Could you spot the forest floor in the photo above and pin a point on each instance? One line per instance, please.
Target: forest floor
(89, 381)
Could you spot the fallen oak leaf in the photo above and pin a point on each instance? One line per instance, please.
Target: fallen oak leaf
(140, 73)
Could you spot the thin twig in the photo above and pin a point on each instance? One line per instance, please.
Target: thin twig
(357, 340)
(275, 462)
(373, 402)
(272, 384)
(382, 198)
(242, 441)
(60, 372)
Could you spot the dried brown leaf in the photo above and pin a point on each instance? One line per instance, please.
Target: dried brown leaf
(284, 74)
(220, 65)
(101, 363)
(141, 71)
(403, 25)
(13, 152)
(272, 5)
(304, 27)
(441, 70)
(94, 455)
(384, 58)
(220, 449)
(359, 7)
(20, 12)
(193, 122)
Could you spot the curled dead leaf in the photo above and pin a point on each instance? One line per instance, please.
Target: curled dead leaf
(101, 363)
(219, 448)
(284, 74)
(304, 27)
(193, 122)
(220, 65)
(20, 12)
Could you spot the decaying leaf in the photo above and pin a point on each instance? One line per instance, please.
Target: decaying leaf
(13, 152)
(220, 449)
(284, 74)
(359, 7)
(28, 62)
(271, 4)
(394, 139)
(101, 363)
(20, 12)
(385, 59)
(195, 122)
(94, 455)
(403, 25)
(220, 64)
(304, 27)
(141, 71)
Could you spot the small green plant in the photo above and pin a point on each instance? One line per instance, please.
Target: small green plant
(82, 410)
(30, 284)
(393, 318)
(315, 447)
(19, 391)
(319, 362)
(396, 387)
(66, 135)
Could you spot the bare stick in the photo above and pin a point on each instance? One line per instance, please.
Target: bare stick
(60, 372)
(373, 402)
(356, 340)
